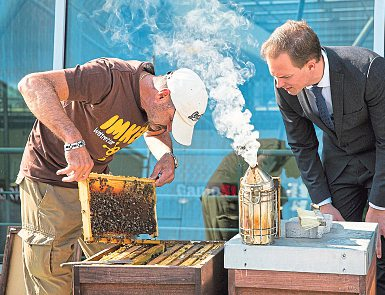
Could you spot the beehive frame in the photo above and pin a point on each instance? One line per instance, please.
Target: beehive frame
(159, 253)
(105, 184)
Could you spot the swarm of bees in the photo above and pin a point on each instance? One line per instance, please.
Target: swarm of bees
(121, 211)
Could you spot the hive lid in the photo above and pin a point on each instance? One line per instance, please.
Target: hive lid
(116, 209)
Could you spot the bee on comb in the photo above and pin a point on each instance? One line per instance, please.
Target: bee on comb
(115, 209)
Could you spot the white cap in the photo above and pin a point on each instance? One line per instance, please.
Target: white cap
(189, 96)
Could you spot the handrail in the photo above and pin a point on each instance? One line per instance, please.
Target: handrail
(269, 152)
(171, 195)
(11, 150)
(179, 152)
(10, 223)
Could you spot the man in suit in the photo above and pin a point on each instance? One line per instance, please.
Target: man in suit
(342, 91)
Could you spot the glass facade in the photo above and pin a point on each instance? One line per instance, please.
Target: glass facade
(218, 39)
(126, 30)
(26, 45)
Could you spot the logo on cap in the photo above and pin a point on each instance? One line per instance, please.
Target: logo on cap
(194, 116)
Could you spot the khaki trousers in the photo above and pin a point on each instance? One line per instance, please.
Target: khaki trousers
(51, 226)
(220, 215)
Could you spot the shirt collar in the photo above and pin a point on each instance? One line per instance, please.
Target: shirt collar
(325, 81)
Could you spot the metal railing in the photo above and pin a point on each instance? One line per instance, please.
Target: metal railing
(190, 152)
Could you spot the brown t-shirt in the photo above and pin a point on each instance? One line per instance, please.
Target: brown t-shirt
(104, 104)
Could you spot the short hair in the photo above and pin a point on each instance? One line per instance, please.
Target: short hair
(296, 39)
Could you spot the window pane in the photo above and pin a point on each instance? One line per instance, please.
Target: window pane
(26, 39)
(26, 46)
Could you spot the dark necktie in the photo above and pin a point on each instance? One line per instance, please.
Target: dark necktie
(322, 108)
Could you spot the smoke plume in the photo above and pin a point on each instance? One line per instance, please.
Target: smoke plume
(205, 36)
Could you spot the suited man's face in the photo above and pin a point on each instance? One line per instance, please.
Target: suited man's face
(290, 77)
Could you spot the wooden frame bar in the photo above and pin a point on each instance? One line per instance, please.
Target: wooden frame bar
(9, 243)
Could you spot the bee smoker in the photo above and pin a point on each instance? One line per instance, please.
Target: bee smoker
(258, 207)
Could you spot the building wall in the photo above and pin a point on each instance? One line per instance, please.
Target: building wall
(126, 30)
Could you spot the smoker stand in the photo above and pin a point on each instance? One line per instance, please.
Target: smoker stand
(341, 262)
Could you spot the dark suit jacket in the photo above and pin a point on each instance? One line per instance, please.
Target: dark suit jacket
(357, 80)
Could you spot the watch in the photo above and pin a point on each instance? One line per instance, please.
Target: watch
(75, 145)
(176, 164)
(314, 206)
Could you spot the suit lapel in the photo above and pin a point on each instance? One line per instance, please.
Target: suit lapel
(337, 91)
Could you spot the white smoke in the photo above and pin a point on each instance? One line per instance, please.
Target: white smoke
(207, 39)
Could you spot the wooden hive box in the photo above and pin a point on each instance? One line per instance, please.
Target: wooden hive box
(154, 267)
(115, 209)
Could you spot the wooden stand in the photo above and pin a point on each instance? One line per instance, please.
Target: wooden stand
(297, 283)
(342, 261)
